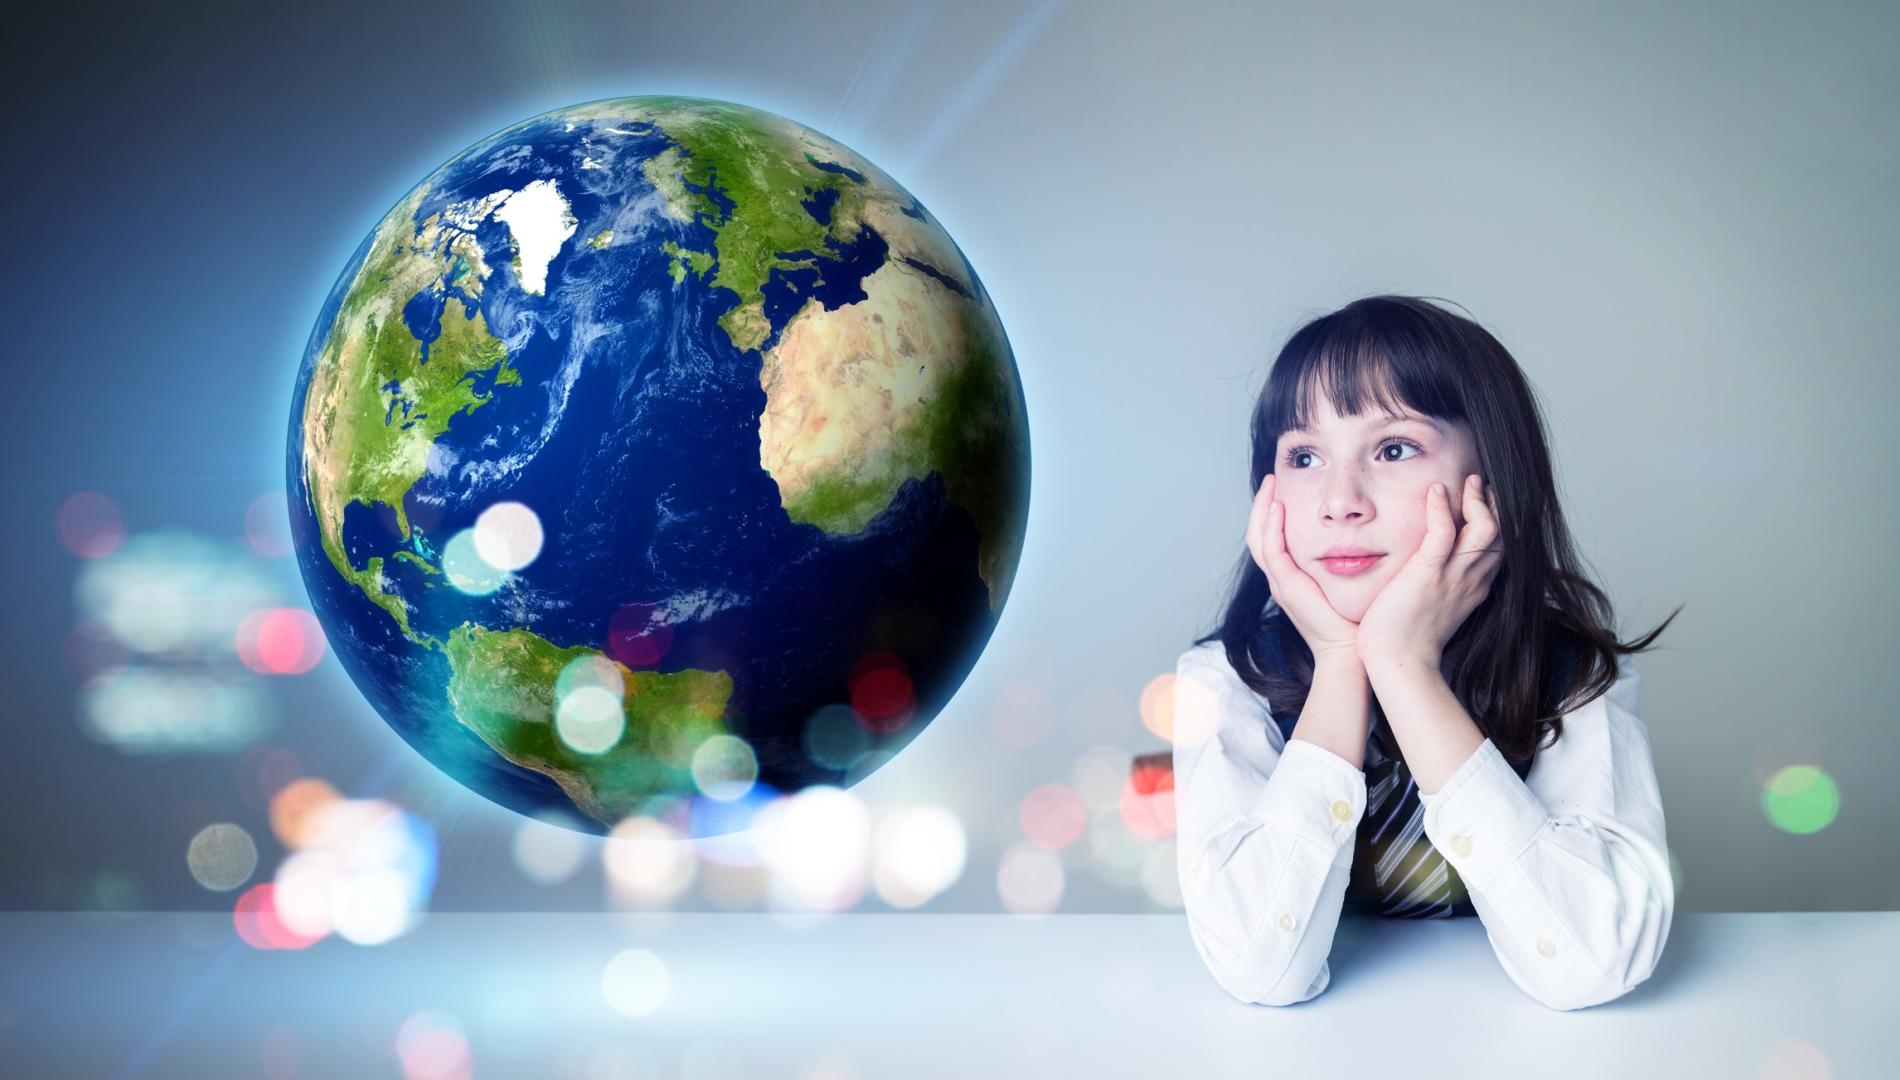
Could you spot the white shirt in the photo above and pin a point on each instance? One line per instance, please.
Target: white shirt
(1567, 868)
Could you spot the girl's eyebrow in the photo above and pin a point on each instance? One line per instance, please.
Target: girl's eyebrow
(1390, 420)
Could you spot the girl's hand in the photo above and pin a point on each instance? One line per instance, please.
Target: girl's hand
(1419, 609)
(1323, 627)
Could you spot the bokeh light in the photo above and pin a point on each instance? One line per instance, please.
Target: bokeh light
(1053, 816)
(635, 982)
(508, 536)
(1157, 706)
(255, 917)
(280, 641)
(647, 862)
(639, 635)
(1118, 853)
(174, 593)
(724, 767)
(89, 525)
(1030, 880)
(431, 1046)
(1801, 799)
(835, 738)
(1795, 1059)
(919, 852)
(590, 669)
(1097, 776)
(306, 892)
(881, 692)
(113, 889)
(221, 857)
(292, 807)
(364, 868)
(722, 828)
(158, 710)
(590, 720)
(547, 850)
(1184, 712)
(463, 565)
(1147, 806)
(817, 845)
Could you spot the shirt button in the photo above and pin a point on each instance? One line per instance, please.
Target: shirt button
(1545, 947)
(1461, 845)
(1286, 921)
(1341, 810)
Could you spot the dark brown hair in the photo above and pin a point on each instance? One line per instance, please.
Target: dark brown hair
(1541, 642)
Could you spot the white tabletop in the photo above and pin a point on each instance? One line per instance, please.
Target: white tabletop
(917, 995)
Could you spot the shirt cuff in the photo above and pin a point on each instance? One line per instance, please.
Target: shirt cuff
(1484, 817)
(1314, 794)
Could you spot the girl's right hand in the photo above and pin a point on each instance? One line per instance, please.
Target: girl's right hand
(1324, 628)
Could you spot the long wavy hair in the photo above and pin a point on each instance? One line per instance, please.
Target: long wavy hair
(1541, 641)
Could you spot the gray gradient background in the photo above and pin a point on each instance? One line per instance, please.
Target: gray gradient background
(1680, 219)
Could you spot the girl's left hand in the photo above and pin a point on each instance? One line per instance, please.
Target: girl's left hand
(1450, 574)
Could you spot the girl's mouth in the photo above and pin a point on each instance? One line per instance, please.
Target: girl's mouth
(1348, 567)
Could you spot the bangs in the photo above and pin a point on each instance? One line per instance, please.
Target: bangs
(1363, 363)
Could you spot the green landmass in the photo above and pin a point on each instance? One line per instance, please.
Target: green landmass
(409, 556)
(700, 261)
(501, 685)
(749, 158)
(375, 407)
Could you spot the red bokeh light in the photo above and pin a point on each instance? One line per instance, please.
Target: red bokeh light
(1147, 804)
(639, 636)
(255, 917)
(1053, 816)
(90, 525)
(280, 641)
(881, 692)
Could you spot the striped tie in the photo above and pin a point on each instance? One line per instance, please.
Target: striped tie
(1395, 861)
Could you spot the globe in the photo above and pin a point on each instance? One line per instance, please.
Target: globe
(657, 456)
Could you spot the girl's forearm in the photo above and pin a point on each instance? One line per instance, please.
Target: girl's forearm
(1338, 707)
(1434, 732)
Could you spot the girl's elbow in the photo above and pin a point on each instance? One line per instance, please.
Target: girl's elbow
(1258, 973)
(1290, 989)
(1570, 998)
(1632, 961)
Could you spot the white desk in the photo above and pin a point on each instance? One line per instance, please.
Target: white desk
(896, 995)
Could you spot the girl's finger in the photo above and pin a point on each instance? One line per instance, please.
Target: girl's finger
(1481, 519)
(1276, 533)
(1486, 499)
(1262, 535)
(1257, 519)
(1440, 529)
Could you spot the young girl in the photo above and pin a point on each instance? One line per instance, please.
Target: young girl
(1410, 605)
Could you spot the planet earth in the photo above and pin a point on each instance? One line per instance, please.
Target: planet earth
(657, 456)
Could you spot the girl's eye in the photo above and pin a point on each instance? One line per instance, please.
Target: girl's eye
(1294, 453)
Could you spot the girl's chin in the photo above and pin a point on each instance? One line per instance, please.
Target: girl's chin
(1351, 601)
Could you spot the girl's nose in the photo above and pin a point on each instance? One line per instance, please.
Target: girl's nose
(1345, 497)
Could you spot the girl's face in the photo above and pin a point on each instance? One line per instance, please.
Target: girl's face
(1361, 481)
